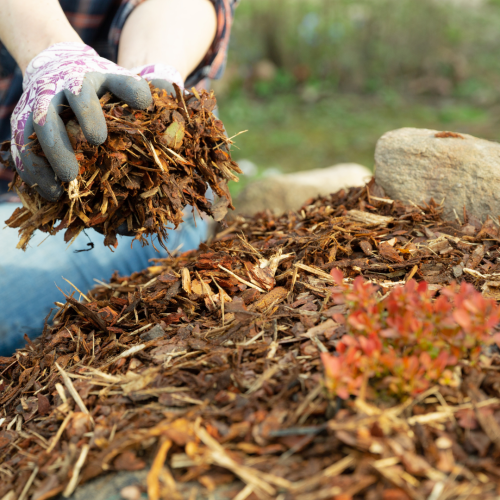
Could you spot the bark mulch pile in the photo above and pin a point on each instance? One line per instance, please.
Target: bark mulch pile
(218, 366)
(154, 163)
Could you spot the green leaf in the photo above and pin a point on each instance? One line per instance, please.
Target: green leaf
(174, 135)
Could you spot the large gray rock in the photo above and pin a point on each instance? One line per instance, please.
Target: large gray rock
(415, 165)
(280, 193)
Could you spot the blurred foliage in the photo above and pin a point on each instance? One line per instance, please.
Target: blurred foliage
(440, 47)
(317, 82)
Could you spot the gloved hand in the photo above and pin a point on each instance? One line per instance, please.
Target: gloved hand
(74, 74)
(160, 75)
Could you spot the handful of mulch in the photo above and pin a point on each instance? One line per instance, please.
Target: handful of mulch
(154, 163)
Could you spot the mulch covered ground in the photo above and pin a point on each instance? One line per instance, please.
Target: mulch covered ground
(208, 367)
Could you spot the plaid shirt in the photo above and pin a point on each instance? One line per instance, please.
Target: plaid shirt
(99, 23)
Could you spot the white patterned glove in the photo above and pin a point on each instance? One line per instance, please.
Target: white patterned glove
(160, 75)
(66, 74)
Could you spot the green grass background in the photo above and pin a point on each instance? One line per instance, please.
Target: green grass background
(347, 71)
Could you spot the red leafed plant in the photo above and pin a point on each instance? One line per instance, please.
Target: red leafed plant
(408, 341)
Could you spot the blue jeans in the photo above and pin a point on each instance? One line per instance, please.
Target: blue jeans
(29, 280)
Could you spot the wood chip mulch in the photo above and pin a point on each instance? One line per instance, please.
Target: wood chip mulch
(154, 163)
(206, 367)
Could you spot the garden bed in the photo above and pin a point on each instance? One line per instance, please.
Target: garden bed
(301, 356)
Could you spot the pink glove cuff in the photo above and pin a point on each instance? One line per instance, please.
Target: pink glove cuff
(159, 72)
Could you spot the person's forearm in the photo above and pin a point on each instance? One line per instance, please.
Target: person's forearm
(171, 32)
(27, 27)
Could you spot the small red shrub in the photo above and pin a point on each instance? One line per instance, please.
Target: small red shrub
(408, 341)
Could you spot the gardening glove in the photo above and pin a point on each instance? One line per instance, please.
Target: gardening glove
(160, 75)
(66, 74)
